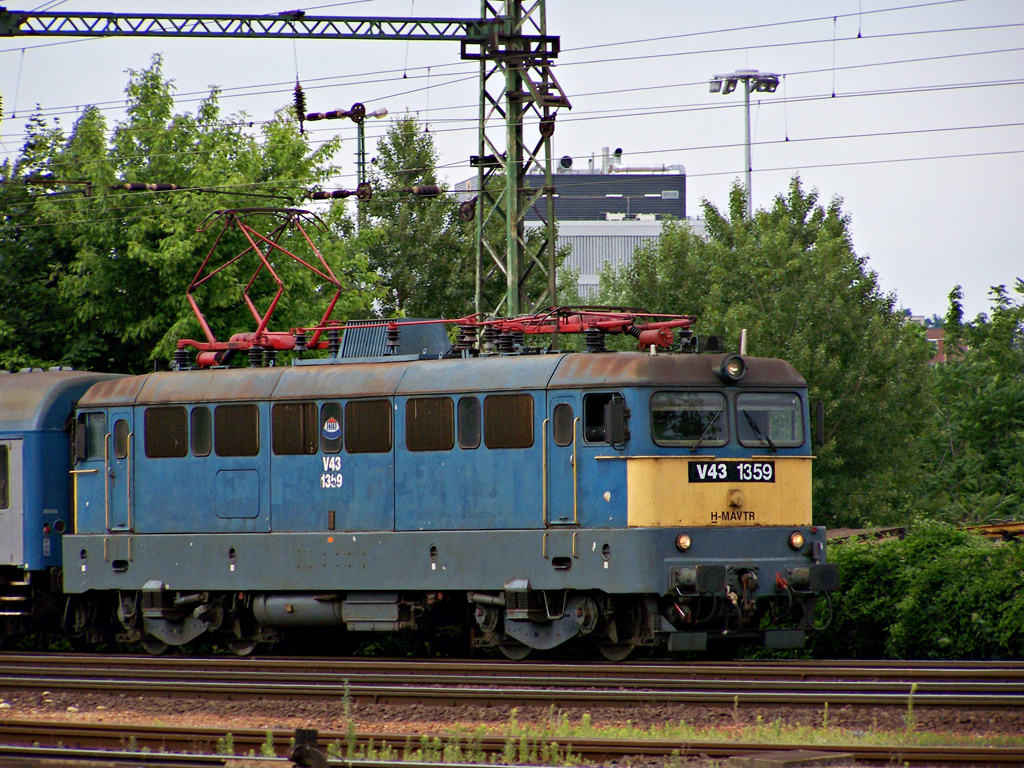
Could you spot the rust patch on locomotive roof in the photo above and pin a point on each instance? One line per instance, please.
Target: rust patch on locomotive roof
(481, 374)
(642, 369)
(204, 386)
(343, 380)
(113, 392)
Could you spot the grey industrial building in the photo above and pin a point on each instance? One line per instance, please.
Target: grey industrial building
(606, 210)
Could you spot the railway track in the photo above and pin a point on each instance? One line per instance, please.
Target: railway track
(154, 745)
(567, 685)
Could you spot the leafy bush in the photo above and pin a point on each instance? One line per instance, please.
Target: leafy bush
(939, 593)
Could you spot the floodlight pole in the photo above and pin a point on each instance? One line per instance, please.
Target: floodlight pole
(753, 80)
(749, 162)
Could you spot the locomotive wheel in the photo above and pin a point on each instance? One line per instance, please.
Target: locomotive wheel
(514, 650)
(615, 651)
(242, 647)
(155, 647)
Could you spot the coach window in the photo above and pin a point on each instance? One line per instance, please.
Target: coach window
(508, 421)
(120, 438)
(5, 479)
(202, 431)
(293, 428)
(562, 426)
(368, 426)
(469, 422)
(166, 432)
(769, 419)
(330, 427)
(429, 424)
(689, 418)
(236, 430)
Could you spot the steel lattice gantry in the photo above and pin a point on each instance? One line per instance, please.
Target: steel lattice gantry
(517, 88)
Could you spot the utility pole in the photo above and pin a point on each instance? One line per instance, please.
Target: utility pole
(762, 82)
(516, 82)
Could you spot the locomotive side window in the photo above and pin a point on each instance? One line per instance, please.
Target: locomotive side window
(562, 427)
(368, 426)
(689, 418)
(469, 422)
(594, 427)
(120, 438)
(202, 431)
(769, 419)
(5, 479)
(330, 427)
(236, 430)
(508, 421)
(166, 432)
(430, 424)
(293, 428)
(92, 435)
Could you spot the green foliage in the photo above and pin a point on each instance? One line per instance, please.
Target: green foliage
(940, 593)
(974, 449)
(424, 253)
(33, 324)
(109, 269)
(791, 278)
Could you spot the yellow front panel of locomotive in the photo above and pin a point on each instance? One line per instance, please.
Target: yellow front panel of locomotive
(663, 491)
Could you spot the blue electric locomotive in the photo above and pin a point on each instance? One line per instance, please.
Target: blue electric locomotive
(621, 499)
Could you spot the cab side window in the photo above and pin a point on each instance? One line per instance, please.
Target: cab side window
(604, 418)
(91, 436)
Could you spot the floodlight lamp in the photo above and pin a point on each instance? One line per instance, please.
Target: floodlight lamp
(730, 86)
(767, 84)
(716, 85)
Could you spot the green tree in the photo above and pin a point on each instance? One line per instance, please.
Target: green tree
(974, 456)
(418, 244)
(790, 277)
(134, 253)
(421, 247)
(33, 322)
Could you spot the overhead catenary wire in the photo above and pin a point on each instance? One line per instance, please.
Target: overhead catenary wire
(619, 113)
(464, 124)
(282, 87)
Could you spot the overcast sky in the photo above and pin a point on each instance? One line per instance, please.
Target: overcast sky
(913, 113)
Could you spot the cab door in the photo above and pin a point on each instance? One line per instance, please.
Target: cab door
(562, 427)
(119, 462)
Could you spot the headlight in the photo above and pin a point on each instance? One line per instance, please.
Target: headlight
(683, 542)
(796, 540)
(732, 369)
